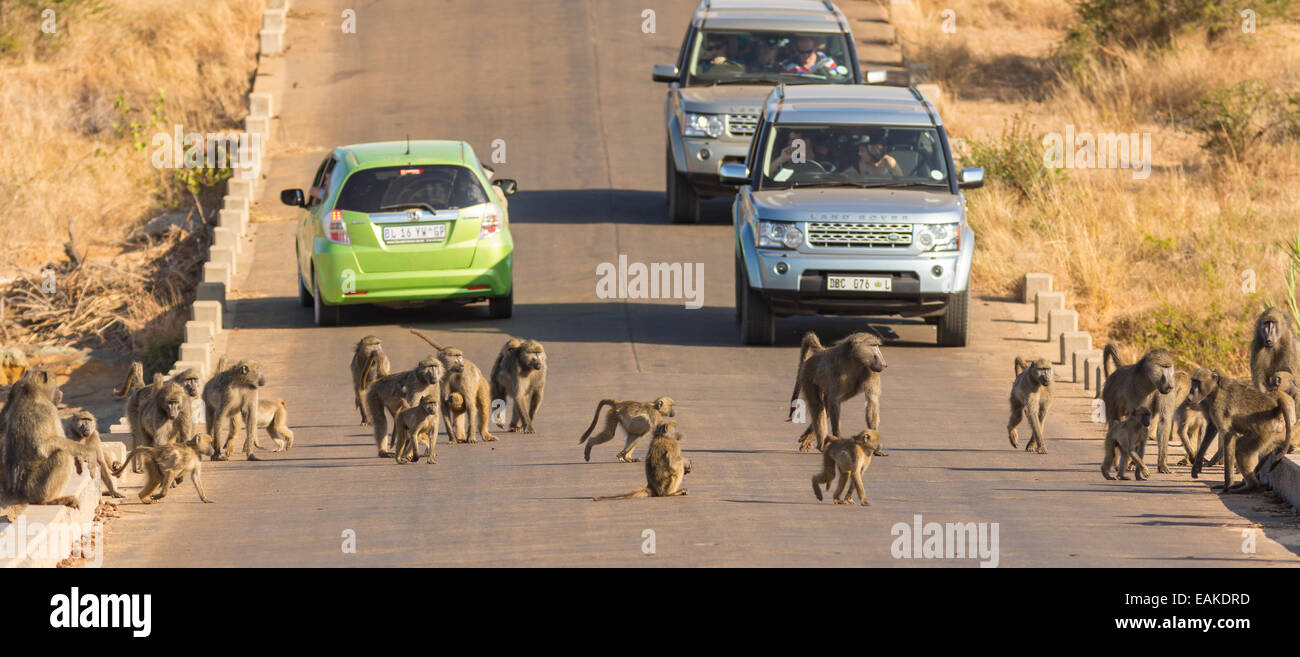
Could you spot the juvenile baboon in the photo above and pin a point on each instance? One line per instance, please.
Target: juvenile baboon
(850, 457)
(464, 377)
(231, 392)
(410, 424)
(272, 415)
(1031, 396)
(387, 394)
(38, 458)
(636, 418)
(1246, 421)
(369, 363)
(84, 428)
(1123, 440)
(1272, 347)
(1185, 422)
(169, 463)
(664, 466)
(829, 376)
(519, 374)
(165, 416)
(1141, 385)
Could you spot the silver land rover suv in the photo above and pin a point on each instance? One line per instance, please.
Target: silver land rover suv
(850, 204)
(732, 55)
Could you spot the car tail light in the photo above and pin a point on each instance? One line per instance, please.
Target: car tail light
(335, 231)
(491, 222)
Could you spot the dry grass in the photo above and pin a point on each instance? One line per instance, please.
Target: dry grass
(73, 104)
(1155, 262)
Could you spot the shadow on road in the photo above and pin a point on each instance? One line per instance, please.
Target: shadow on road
(624, 206)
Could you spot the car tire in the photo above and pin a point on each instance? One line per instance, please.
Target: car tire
(324, 314)
(502, 307)
(304, 295)
(683, 202)
(955, 322)
(757, 323)
(740, 276)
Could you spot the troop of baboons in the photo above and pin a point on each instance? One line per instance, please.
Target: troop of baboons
(1147, 399)
(1152, 398)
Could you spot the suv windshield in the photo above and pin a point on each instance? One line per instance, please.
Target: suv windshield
(730, 57)
(861, 156)
(431, 187)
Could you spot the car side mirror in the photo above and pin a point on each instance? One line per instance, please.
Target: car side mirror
(665, 73)
(293, 197)
(734, 173)
(508, 186)
(490, 171)
(970, 178)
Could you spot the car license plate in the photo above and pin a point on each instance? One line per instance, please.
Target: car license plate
(859, 283)
(408, 234)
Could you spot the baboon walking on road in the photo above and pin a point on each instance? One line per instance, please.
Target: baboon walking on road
(464, 377)
(387, 395)
(1123, 439)
(664, 466)
(519, 374)
(369, 363)
(1141, 385)
(850, 457)
(1031, 397)
(231, 392)
(1246, 421)
(168, 464)
(830, 376)
(636, 418)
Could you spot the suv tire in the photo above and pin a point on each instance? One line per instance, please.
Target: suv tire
(757, 323)
(955, 322)
(683, 203)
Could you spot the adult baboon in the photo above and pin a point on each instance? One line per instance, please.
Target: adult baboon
(233, 391)
(850, 457)
(1123, 440)
(1246, 421)
(272, 415)
(1185, 422)
(830, 376)
(636, 418)
(1272, 347)
(84, 428)
(38, 458)
(410, 424)
(465, 377)
(519, 374)
(1141, 384)
(165, 416)
(369, 363)
(1031, 397)
(387, 394)
(168, 464)
(664, 466)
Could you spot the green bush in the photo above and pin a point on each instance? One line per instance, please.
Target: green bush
(1015, 158)
(1232, 120)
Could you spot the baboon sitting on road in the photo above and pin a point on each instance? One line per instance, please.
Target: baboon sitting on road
(664, 466)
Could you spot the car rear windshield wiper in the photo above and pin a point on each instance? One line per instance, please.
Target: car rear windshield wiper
(409, 206)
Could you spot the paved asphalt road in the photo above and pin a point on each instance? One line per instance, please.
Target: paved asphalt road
(567, 86)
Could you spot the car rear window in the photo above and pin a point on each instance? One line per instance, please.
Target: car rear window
(435, 187)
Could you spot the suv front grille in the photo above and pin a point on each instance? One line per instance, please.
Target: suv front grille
(859, 235)
(742, 125)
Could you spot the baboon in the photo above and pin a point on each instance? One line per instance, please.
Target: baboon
(1123, 440)
(519, 374)
(850, 457)
(456, 402)
(368, 364)
(387, 394)
(1141, 385)
(1186, 423)
(138, 395)
(464, 377)
(84, 428)
(233, 391)
(412, 422)
(1272, 348)
(165, 416)
(636, 418)
(830, 376)
(272, 415)
(664, 466)
(1190, 424)
(169, 463)
(1031, 396)
(1246, 421)
(38, 458)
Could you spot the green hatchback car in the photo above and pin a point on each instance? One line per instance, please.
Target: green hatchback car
(401, 223)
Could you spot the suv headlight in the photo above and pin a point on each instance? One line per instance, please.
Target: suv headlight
(938, 237)
(779, 235)
(702, 125)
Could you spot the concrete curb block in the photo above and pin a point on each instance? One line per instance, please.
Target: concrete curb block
(43, 534)
(1061, 321)
(1079, 362)
(1285, 480)
(1034, 283)
(1072, 342)
(1045, 303)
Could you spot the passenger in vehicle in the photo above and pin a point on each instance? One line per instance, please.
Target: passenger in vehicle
(807, 60)
(872, 158)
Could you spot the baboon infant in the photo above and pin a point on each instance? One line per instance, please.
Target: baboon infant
(636, 418)
(410, 424)
(465, 377)
(167, 464)
(388, 394)
(1144, 383)
(1123, 440)
(664, 466)
(850, 457)
(829, 376)
(1031, 397)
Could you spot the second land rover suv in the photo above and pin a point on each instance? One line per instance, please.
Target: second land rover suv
(850, 204)
(732, 55)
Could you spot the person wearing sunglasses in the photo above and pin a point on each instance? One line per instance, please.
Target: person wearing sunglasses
(805, 59)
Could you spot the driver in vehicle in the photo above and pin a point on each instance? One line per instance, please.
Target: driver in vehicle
(807, 60)
(801, 142)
